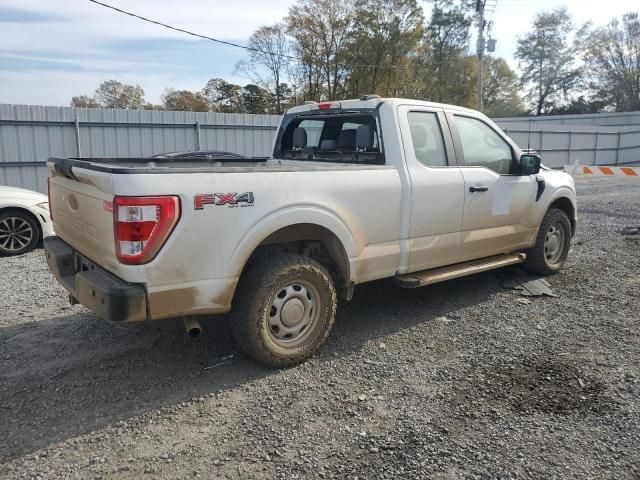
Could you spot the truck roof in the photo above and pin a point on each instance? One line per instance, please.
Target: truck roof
(365, 102)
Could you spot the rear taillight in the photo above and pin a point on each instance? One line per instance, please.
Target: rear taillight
(142, 225)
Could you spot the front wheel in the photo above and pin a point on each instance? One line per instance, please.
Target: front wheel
(285, 310)
(552, 244)
(19, 233)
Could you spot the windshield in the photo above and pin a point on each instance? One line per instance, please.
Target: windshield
(351, 137)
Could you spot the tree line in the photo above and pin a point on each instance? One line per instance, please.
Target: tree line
(217, 95)
(327, 50)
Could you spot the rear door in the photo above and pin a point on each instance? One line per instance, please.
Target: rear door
(437, 188)
(497, 199)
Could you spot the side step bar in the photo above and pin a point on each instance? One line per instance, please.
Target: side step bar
(435, 275)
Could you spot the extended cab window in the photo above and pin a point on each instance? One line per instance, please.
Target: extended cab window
(336, 137)
(482, 146)
(426, 137)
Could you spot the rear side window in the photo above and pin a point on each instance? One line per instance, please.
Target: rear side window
(482, 146)
(426, 136)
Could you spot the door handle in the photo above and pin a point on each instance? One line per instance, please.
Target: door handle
(479, 188)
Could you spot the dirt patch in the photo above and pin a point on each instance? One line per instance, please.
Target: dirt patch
(530, 385)
(551, 386)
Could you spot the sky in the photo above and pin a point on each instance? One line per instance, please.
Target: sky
(51, 50)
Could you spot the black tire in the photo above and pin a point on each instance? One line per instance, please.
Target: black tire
(541, 259)
(270, 295)
(19, 232)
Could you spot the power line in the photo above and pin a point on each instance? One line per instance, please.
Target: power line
(245, 47)
(193, 34)
(231, 44)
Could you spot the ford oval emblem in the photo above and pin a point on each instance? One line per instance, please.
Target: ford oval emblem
(73, 202)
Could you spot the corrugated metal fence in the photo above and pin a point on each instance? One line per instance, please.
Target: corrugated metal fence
(593, 139)
(564, 144)
(31, 134)
(622, 120)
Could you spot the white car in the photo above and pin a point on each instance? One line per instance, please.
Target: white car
(24, 220)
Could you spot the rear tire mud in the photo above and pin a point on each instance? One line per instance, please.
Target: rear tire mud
(286, 309)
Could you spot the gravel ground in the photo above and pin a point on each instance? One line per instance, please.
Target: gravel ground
(457, 380)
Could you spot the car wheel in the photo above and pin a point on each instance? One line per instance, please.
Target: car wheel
(19, 233)
(552, 244)
(285, 311)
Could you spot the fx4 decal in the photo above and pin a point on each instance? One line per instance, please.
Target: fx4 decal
(230, 199)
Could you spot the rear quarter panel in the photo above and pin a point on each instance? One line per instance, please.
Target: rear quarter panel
(198, 267)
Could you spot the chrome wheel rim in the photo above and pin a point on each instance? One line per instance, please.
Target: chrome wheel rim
(293, 314)
(554, 243)
(15, 234)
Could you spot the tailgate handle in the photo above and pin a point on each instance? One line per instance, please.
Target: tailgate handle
(479, 188)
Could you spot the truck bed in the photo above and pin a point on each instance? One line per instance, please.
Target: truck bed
(82, 191)
(198, 165)
(155, 165)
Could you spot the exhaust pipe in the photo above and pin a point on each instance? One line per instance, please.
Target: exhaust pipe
(192, 326)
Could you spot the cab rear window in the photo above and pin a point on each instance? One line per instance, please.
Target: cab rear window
(345, 138)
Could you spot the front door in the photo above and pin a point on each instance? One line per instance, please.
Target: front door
(497, 199)
(437, 188)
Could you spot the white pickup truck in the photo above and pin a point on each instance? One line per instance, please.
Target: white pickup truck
(355, 191)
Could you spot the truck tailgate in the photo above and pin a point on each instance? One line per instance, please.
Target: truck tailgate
(81, 208)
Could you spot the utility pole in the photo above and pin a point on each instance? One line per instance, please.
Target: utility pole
(480, 47)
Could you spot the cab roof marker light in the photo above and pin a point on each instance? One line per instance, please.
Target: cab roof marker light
(329, 105)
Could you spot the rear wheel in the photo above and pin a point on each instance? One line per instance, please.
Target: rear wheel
(19, 233)
(286, 309)
(552, 244)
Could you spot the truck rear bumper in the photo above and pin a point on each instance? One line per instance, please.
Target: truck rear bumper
(106, 295)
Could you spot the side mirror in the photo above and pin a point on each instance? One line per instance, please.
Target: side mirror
(530, 164)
